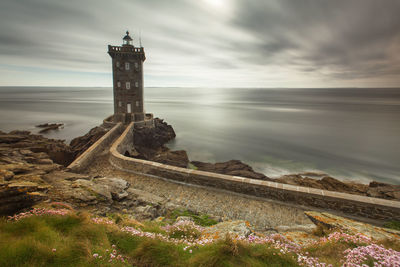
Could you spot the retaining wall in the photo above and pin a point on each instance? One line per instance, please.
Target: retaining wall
(83, 161)
(355, 205)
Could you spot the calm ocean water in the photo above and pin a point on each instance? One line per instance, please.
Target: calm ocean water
(349, 133)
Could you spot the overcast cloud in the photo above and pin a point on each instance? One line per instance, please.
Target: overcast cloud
(208, 43)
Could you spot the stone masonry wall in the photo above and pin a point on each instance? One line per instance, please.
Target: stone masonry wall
(354, 205)
(80, 163)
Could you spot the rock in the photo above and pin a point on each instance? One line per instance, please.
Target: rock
(63, 175)
(149, 142)
(115, 186)
(82, 143)
(233, 228)
(146, 213)
(18, 196)
(153, 138)
(350, 226)
(184, 218)
(232, 167)
(374, 189)
(308, 228)
(44, 161)
(119, 196)
(6, 175)
(104, 189)
(22, 146)
(49, 127)
(9, 138)
(383, 190)
(99, 191)
(143, 197)
(175, 158)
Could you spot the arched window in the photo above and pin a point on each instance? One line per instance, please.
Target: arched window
(128, 85)
(127, 66)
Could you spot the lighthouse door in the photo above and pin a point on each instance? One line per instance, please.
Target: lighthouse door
(129, 108)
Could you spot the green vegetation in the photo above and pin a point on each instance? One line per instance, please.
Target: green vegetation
(67, 238)
(392, 225)
(192, 166)
(202, 219)
(52, 241)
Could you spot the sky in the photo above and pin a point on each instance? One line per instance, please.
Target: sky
(204, 43)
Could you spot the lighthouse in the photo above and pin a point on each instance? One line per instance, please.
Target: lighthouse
(127, 68)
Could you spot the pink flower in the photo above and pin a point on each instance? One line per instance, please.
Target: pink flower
(54, 250)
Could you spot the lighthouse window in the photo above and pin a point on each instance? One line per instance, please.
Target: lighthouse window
(118, 84)
(137, 103)
(127, 66)
(120, 103)
(136, 84)
(128, 85)
(117, 64)
(136, 65)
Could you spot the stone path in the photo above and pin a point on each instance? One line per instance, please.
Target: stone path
(261, 213)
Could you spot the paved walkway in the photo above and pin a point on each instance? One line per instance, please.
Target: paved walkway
(261, 213)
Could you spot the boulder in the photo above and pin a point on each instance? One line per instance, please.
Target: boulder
(177, 158)
(105, 189)
(232, 167)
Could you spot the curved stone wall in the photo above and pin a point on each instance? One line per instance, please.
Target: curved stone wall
(81, 162)
(350, 204)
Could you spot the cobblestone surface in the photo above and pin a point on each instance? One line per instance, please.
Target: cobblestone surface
(262, 214)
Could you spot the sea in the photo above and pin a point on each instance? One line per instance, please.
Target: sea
(348, 133)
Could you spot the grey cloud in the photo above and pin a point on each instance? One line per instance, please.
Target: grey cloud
(344, 35)
(339, 40)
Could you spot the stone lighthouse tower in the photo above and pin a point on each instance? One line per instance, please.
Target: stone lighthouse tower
(127, 66)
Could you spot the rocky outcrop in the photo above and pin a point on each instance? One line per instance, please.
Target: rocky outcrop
(325, 182)
(383, 190)
(232, 167)
(46, 127)
(17, 196)
(22, 146)
(178, 158)
(148, 141)
(82, 143)
(149, 144)
(337, 223)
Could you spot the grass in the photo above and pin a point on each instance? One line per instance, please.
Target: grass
(74, 240)
(199, 219)
(392, 225)
(227, 252)
(51, 241)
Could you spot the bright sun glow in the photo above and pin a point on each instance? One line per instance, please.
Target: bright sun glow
(216, 3)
